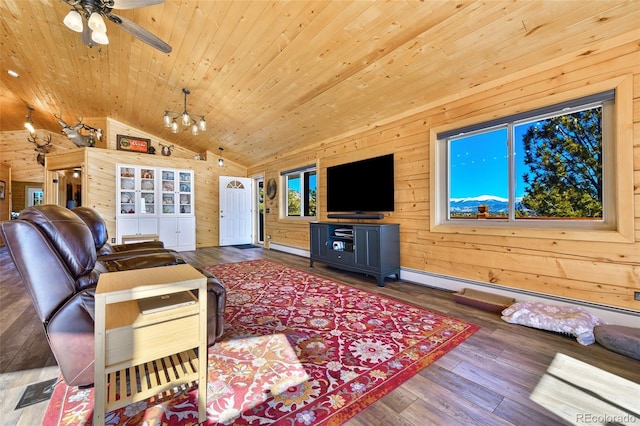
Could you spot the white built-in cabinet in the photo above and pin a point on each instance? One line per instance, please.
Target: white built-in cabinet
(156, 201)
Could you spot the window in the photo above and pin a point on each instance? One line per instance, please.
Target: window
(543, 168)
(300, 192)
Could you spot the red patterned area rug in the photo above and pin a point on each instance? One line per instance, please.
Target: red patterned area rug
(298, 349)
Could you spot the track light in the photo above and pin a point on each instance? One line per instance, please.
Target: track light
(29, 123)
(220, 159)
(170, 118)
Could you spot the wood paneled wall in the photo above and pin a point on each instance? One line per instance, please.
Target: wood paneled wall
(19, 154)
(592, 271)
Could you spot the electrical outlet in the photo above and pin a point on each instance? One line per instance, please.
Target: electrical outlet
(113, 240)
(636, 295)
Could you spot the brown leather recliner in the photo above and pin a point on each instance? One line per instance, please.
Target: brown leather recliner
(110, 255)
(98, 228)
(54, 253)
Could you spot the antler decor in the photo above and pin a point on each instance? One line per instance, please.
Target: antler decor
(166, 149)
(41, 149)
(74, 132)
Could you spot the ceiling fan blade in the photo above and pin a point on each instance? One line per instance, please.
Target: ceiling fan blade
(140, 33)
(134, 4)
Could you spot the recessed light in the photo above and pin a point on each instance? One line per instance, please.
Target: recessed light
(12, 73)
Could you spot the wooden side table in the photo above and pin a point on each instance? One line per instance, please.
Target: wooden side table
(142, 355)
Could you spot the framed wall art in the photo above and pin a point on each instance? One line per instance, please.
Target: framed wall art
(132, 143)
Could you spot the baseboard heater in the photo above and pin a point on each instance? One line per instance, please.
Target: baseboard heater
(609, 314)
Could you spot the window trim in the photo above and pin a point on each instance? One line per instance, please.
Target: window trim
(620, 160)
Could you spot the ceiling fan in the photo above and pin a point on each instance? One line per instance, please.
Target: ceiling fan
(87, 17)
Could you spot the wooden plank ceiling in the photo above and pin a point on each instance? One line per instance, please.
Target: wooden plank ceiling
(275, 76)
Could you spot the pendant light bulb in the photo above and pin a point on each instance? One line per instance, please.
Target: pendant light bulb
(167, 119)
(220, 159)
(203, 124)
(28, 124)
(174, 127)
(194, 129)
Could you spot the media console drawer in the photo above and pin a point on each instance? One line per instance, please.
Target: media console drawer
(340, 256)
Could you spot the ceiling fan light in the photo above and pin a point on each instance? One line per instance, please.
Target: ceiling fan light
(167, 119)
(99, 37)
(202, 124)
(96, 23)
(73, 21)
(174, 127)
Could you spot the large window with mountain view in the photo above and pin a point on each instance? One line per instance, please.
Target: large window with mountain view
(533, 168)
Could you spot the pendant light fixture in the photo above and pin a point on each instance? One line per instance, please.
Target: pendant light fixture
(29, 123)
(198, 123)
(220, 159)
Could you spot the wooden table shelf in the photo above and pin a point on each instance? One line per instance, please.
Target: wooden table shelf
(152, 378)
(140, 356)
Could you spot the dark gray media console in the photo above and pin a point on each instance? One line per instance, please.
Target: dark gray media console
(372, 249)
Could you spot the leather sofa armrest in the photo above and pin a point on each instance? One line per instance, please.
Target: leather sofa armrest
(139, 253)
(216, 302)
(137, 246)
(139, 262)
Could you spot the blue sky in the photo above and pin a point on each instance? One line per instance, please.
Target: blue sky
(479, 165)
(295, 183)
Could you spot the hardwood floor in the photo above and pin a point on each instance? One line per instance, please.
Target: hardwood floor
(486, 380)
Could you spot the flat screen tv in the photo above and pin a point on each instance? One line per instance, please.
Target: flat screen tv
(361, 186)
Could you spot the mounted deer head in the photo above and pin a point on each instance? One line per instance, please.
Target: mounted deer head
(41, 149)
(74, 132)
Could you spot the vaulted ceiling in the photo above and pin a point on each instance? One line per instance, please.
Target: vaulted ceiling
(277, 76)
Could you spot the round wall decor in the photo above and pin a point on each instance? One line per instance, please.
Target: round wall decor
(272, 187)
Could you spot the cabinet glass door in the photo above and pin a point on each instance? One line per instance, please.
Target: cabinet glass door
(147, 191)
(168, 191)
(186, 192)
(127, 190)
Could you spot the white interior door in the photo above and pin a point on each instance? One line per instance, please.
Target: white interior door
(235, 210)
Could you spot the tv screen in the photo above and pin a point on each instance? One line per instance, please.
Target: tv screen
(361, 186)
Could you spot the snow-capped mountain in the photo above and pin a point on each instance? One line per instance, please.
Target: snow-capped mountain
(470, 204)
